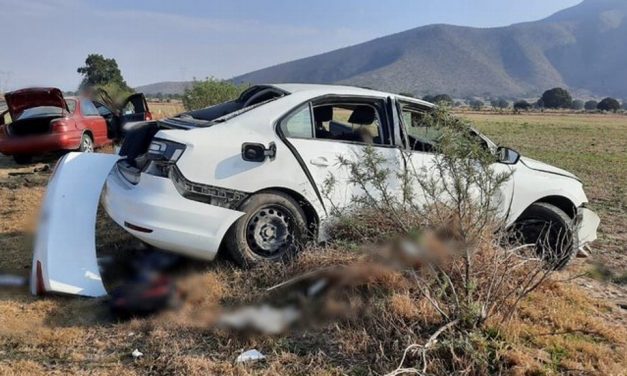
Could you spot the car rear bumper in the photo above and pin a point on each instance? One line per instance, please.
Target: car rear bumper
(157, 214)
(587, 225)
(39, 144)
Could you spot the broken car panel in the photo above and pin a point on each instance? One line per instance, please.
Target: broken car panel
(247, 175)
(64, 258)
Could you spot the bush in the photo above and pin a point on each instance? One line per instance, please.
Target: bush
(499, 103)
(522, 105)
(609, 104)
(476, 104)
(591, 105)
(444, 218)
(210, 92)
(441, 99)
(577, 105)
(557, 98)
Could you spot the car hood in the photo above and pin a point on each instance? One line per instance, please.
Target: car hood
(20, 100)
(545, 167)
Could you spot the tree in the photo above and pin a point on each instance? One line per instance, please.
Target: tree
(405, 94)
(499, 103)
(476, 104)
(624, 104)
(609, 104)
(591, 105)
(522, 105)
(577, 105)
(557, 98)
(429, 98)
(443, 99)
(209, 92)
(99, 71)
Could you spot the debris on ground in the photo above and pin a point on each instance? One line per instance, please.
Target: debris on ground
(137, 354)
(250, 355)
(12, 280)
(36, 170)
(265, 319)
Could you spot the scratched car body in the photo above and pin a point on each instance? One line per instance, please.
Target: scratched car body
(248, 175)
(255, 168)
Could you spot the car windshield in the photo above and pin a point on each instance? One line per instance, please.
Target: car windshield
(41, 111)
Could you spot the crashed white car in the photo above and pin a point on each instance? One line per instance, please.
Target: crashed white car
(248, 174)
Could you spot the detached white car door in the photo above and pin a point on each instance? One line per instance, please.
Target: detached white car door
(324, 133)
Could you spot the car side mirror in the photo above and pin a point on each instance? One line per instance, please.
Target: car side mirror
(253, 152)
(507, 155)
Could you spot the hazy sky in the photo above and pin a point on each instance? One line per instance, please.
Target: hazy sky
(43, 42)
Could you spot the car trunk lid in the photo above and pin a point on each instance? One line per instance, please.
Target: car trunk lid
(19, 101)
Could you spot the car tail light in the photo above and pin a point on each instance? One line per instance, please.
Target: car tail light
(148, 116)
(58, 126)
(165, 151)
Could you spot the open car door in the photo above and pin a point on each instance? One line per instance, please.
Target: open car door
(135, 108)
(132, 110)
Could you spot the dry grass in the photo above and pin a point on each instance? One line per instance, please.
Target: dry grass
(162, 110)
(558, 329)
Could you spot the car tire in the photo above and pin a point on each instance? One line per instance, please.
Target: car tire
(23, 159)
(274, 228)
(87, 144)
(551, 230)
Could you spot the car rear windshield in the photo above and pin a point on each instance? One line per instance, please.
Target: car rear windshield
(41, 111)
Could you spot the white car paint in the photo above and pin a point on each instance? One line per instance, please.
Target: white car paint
(155, 204)
(213, 157)
(64, 258)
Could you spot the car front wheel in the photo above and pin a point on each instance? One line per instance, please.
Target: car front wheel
(551, 230)
(274, 228)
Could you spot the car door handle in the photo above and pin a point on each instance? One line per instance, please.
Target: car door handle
(320, 161)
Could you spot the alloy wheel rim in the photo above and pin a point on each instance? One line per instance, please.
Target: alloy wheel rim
(88, 147)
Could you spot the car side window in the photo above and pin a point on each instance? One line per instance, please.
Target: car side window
(298, 124)
(422, 137)
(88, 108)
(352, 122)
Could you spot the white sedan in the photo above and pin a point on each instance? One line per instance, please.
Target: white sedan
(248, 174)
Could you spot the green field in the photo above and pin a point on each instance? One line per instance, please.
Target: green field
(593, 147)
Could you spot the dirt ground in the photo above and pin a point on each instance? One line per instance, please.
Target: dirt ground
(73, 335)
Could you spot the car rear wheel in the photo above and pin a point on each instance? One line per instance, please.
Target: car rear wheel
(551, 230)
(87, 144)
(274, 228)
(23, 159)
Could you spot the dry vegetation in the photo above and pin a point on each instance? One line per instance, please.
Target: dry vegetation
(162, 110)
(568, 325)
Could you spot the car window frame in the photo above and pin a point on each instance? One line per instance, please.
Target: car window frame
(330, 99)
(285, 119)
(402, 127)
(82, 102)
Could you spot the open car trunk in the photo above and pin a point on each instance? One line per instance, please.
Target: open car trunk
(31, 126)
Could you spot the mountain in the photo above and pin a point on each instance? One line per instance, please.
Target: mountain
(166, 87)
(582, 48)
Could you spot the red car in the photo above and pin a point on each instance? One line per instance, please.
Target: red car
(43, 121)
